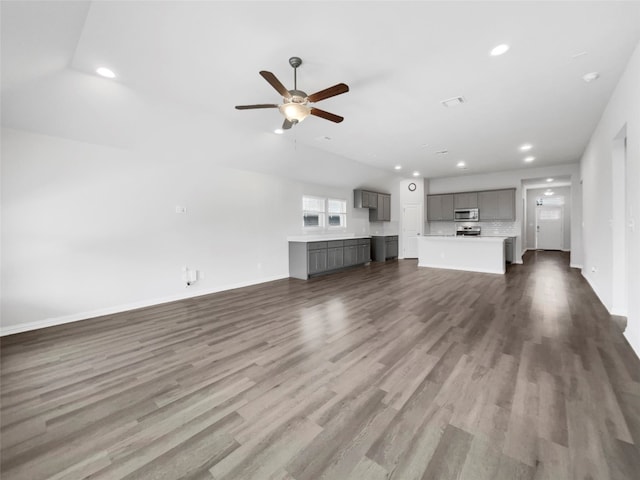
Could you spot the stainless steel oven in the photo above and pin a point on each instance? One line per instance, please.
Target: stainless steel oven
(465, 215)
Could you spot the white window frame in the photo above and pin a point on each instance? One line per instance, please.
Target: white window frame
(341, 212)
(323, 213)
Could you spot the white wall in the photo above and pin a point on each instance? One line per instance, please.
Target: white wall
(622, 110)
(90, 229)
(513, 179)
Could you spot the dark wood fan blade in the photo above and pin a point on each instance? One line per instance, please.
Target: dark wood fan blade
(329, 92)
(275, 83)
(287, 124)
(326, 115)
(260, 105)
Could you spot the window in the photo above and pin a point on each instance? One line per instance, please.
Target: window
(318, 213)
(337, 216)
(313, 212)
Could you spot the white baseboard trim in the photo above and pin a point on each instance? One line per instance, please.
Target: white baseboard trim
(619, 313)
(596, 292)
(75, 317)
(576, 265)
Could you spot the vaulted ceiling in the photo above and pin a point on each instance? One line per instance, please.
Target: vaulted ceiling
(182, 67)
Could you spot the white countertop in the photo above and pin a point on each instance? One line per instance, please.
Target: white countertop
(467, 238)
(324, 238)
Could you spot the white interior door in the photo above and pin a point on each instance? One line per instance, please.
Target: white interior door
(411, 229)
(549, 231)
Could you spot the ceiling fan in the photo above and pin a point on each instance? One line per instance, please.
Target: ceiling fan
(295, 103)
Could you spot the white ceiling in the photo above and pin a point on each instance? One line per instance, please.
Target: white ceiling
(183, 66)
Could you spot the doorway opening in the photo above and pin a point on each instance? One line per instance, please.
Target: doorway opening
(547, 213)
(549, 227)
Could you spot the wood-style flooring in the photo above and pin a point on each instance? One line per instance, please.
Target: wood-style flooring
(384, 371)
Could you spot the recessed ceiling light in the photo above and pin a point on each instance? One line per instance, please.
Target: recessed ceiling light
(549, 179)
(278, 131)
(499, 50)
(590, 77)
(398, 167)
(416, 174)
(526, 147)
(548, 193)
(461, 164)
(529, 159)
(105, 72)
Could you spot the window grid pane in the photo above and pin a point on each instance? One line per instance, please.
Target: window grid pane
(337, 206)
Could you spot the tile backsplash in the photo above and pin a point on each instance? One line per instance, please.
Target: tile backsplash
(508, 229)
(384, 228)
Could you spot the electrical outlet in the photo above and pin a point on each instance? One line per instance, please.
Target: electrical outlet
(180, 209)
(594, 269)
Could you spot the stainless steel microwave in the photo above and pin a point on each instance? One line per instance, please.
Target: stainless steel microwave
(465, 215)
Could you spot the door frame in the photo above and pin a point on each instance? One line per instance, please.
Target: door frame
(403, 237)
(536, 231)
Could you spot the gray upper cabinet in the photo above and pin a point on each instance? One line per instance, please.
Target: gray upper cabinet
(383, 212)
(465, 200)
(379, 204)
(440, 207)
(497, 205)
(365, 199)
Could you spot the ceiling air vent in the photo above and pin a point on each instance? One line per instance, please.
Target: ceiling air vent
(452, 102)
(444, 151)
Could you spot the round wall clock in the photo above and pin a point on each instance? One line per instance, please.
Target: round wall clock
(412, 187)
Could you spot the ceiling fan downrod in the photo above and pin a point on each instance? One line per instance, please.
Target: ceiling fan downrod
(295, 62)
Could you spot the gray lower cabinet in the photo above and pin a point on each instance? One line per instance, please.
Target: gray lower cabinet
(363, 251)
(509, 245)
(317, 257)
(384, 247)
(350, 253)
(314, 258)
(335, 255)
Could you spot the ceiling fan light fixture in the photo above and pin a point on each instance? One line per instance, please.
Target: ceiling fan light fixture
(295, 112)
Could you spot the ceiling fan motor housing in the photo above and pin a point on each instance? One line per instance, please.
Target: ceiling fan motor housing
(297, 96)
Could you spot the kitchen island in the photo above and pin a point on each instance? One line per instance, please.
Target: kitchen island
(474, 254)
